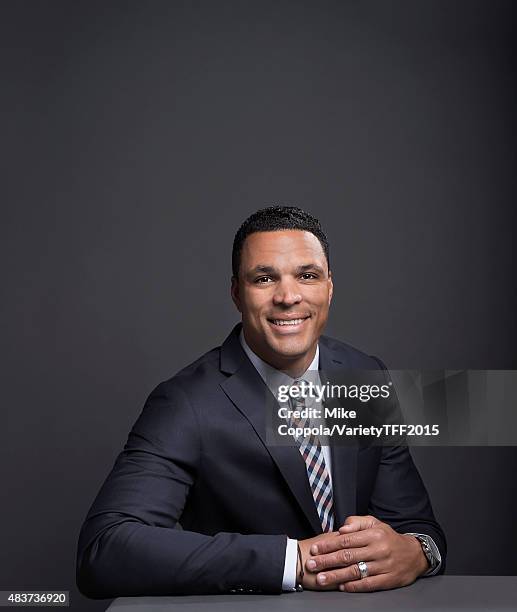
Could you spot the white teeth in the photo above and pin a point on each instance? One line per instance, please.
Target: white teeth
(282, 322)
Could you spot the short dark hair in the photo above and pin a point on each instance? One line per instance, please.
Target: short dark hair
(272, 219)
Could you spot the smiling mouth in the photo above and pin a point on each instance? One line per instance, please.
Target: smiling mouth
(288, 322)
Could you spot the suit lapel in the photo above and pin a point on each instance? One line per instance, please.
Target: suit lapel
(248, 392)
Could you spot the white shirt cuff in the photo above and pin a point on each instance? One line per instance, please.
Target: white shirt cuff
(291, 562)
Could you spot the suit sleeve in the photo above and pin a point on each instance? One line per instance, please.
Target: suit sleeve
(128, 544)
(400, 498)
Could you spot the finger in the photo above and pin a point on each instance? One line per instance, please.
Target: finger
(358, 523)
(380, 582)
(341, 558)
(347, 540)
(336, 577)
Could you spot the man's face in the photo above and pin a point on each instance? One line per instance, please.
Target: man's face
(283, 292)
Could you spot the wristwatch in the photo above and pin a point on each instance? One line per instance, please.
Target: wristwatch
(430, 550)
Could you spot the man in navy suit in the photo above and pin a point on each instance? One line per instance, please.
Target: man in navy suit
(257, 517)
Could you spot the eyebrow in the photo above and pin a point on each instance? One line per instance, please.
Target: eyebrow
(308, 267)
(265, 269)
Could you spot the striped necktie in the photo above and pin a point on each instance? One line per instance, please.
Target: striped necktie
(312, 453)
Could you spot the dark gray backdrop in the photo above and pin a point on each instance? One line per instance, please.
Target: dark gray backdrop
(136, 136)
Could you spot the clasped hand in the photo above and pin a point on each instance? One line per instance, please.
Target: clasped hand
(330, 559)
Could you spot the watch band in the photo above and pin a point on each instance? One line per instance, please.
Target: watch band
(427, 549)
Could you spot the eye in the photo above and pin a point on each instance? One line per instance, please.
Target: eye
(308, 276)
(262, 280)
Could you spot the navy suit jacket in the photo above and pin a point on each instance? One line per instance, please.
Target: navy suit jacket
(197, 454)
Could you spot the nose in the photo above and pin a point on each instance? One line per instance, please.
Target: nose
(287, 293)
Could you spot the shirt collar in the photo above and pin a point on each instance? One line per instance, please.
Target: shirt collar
(270, 375)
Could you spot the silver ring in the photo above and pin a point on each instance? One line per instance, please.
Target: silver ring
(363, 569)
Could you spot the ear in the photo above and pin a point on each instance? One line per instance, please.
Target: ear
(331, 287)
(235, 293)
